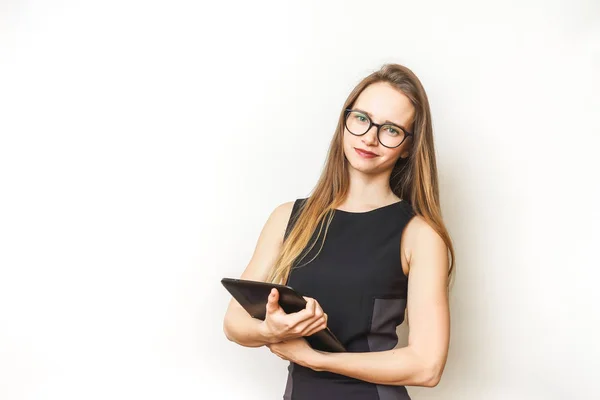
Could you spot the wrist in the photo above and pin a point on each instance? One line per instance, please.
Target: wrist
(319, 360)
(266, 333)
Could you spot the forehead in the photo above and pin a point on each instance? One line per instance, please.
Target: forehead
(385, 103)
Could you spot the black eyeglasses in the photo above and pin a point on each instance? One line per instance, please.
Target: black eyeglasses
(389, 135)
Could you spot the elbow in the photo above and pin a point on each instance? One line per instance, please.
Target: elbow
(227, 331)
(431, 376)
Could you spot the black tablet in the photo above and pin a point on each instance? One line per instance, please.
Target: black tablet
(252, 295)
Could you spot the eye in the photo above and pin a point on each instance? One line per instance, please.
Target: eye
(361, 117)
(392, 130)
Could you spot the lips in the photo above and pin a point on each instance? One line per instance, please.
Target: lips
(365, 152)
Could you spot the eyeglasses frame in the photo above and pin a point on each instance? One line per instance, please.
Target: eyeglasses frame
(372, 124)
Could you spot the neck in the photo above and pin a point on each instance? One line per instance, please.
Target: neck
(369, 190)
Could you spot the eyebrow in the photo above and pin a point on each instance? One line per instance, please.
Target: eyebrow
(387, 121)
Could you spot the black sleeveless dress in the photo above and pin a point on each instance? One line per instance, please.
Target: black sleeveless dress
(358, 280)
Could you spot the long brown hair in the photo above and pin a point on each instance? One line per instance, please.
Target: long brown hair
(413, 178)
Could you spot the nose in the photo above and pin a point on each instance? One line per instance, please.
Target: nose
(370, 138)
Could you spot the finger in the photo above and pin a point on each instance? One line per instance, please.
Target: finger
(316, 326)
(299, 317)
(272, 301)
(316, 313)
(310, 324)
(314, 306)
(303, 326)
(309, 302)
(318, 310)
(311, 305)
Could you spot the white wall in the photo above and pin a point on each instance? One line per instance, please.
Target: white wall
(143, 145)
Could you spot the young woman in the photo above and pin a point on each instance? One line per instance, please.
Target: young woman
(369, 247)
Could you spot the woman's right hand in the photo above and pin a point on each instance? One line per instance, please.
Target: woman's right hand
(281, 326)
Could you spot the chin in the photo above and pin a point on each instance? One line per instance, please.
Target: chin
(366, 166)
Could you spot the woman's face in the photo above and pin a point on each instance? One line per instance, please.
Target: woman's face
(383, 104)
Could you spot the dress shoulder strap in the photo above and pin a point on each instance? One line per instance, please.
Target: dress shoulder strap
(296, 211)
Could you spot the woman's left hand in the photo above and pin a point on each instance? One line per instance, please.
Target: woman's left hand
(296, 350)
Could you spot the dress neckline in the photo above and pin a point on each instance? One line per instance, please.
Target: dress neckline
(370, 211)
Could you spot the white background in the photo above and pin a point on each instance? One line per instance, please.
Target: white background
(144, 144)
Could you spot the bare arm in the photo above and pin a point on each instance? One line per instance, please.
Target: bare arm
(238, 325)
(422, 361)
